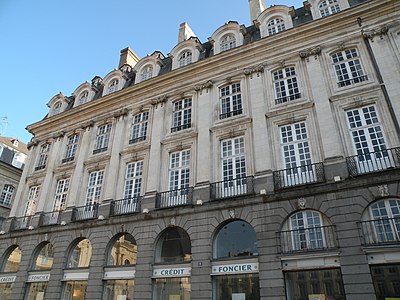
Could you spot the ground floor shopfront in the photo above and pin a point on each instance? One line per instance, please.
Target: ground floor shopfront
(341, 245)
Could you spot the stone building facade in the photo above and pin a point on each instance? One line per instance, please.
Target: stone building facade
(261, 164)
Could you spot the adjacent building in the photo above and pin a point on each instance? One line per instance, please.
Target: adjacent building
(260, 164)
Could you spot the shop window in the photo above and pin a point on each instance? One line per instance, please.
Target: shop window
(235, 239)
(172, 288)
(80, 255)
(314, 284)
(173, 246)
(74, 290)
(36, 290)
(12, 260)
(123, 252)
(119, 289)
(243, 286)
(44, 259)
(5, 290)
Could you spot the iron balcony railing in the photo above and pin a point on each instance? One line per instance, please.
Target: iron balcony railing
(373, 161)
(41, 167)
(86, 212)
(95, 151)
(21, 223)
(307, 239)
(67, 159)
(351, 81)
(181, 127)
(174, 198)
(230, 114)
(380, 232)
(125, 206)
(287, 98)
(137, 139)
(50, 218)
(312, 173)
(232, 188)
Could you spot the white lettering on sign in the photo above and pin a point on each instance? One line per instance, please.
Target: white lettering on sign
(38, 278)
(172, 272)
(235, 268)
(7, 279)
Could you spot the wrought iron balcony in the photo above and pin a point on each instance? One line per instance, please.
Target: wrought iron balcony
(86, 212)
(20, 223)
(287, 98)
(67, 159)
(125, 206)
(137, 139)
(307, 239)
(41, 167)
(312, 173)
(230, 114)
(50, 218)
(95, 151)
(373, 161)
(380, 232)
(181, 127)
(174, 198)
(232, 188)
(351, 81)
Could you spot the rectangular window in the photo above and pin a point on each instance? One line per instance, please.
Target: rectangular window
(296, 155)
(74, 290)
(119, 289)
(36, 290)
(102, 138)
(72, 145)
(33, 198)
(230, 101)
(368, 140)
(133, 179)
(286, 86)
(179, 170)
(60, 197)
(314, 284)
(348, 67)
(243, 286)
(172, 288)
(139, 127)
(95, 183)
(43, 156)
(6, 195)
(386, 280)
(182, 115)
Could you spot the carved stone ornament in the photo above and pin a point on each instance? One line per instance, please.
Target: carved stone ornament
(172, 222)
(59, 135)
(87, 125)
(205, 85)
(302, 203)
(253, 69)
(121, 113)
(160, 100)
(383, 190)
(232, 214)
(379, 31)
(314, 51)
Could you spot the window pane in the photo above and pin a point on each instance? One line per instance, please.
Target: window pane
(36, 290)
(244, 286)
(80, 255)
(123, 252)
(44, 260)
(5, 290)
(386, 280)
(119, 289)
(74, 290)
(174, 246)
(171, 288)
(13, 261)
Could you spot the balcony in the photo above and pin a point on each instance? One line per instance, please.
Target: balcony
(307, 239)
(287, 98)
(41, 167)
(125, 206)
(67, 159)
(307, 174)
(50, 218)
(351, 81)
(137, 140)
(380, 232)
(230, 114)
(96, 151)
(373, 161)
(174, 198)
(22, 223)
(87, 212)
(232, 188)
(181, 127)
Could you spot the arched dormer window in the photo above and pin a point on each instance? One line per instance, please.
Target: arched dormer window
(227, 42)
(12, 260)
(329, 7)
(275, 25)
(80, 255)
(113, 86)
(83, 97)
(57, 108)
(146, 73)
(185, 58)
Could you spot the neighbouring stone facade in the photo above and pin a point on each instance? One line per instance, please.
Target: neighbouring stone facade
(262, 164)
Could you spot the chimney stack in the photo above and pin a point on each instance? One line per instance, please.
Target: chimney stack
(128, 57)
(185, 32)
(256, 8)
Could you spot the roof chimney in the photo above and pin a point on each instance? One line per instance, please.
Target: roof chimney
(256, 8)
(185, 32)
(128, 57)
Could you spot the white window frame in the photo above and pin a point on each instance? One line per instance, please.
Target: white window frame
(146, 72)
(83, 97)
(32, 201)
(113, 86)
(43, 156)
(275, 25)
(385, 215)
(286, 85)
(71, 148)
(133, 179)
(185, 58)
(57, 107)
(230, 100)
(227, 42)
(328, 7)
(7, 195)
(60, 194)
(139, 127)
(348, 67)
(94, 188)
(102, 138)
(182, 114)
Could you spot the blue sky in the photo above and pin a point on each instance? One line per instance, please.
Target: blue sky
(48, 46)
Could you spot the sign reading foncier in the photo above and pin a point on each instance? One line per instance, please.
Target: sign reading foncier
(235, 268)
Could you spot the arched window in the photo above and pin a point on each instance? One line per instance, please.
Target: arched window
(80, 255)
(83, 97)
(12, 260)
(227, 42)
(185, 58)
(57, 108)
(44, 258)
(147, 73)
(123, 252)
(113, 86)
(235, 239)
(173, 246)
(329, 7)
(275, 25)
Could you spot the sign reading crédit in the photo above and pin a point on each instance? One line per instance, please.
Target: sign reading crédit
(171, 272)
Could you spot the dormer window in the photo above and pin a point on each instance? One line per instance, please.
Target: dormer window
(275, 25)
(227, 42)
(83, 97)
(329, 7)
(113, 86)
(185, 58)
(147, 73)
(57, 108)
